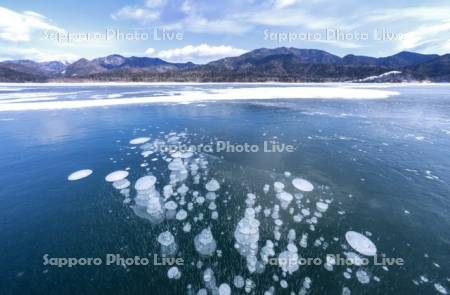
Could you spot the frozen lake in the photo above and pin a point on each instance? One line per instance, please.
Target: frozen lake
(373, 163)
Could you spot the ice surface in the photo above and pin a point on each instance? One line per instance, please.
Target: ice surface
(261, 92)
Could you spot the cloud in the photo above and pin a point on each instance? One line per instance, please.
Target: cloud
(279, 4)
(136, 13)
(424, 13)
(155, 3)
(150, 51)
(19, 26)
(150, 11)
(427, 27)
(433, 36)
(199, 24)
(13, 53)
(200, 53)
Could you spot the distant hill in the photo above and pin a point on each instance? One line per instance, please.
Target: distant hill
(278, 64)
(84, 67)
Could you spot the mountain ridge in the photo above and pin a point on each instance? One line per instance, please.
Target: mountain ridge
(286, 64)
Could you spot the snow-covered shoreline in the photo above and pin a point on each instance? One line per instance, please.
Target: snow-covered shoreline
(189, 96)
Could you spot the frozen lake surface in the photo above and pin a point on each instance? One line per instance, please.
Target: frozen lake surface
(84, 175)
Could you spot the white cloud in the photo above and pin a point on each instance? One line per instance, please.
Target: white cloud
(13, 53)
(199, 24)
(155, 3)
(150, 51)
(19, 26)
(425, 13)
(428, 34)
(136, 13)
(199, 53)
(291, 18)
(150, 11)
(279, 4)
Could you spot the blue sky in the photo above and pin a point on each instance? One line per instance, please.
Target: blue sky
(200, 31)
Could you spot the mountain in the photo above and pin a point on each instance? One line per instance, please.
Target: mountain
(264, 55)
(46, 69)
(285, 64)
(8, 74)
(115, 62)
(437, 69)
(399, 60)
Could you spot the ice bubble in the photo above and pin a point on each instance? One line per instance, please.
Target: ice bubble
(80, 174)
(288, 260)
(267, 251)
(239, 282)
(167, 191)
(171, 208)
(441, 289)
(224, 289)
(204, 242)
(287, 174)
(211, 196)
(305, 212)
(321, 206)
(171, 205)
(212, 185)
(361, 243)
(139, 140)
(200, 200)
(285, 199)
(145, 154)
(155, 209)
(346, 291)
(145, 183)
(278, 187)
(167, 242)
(121, 184)
(174, 273)
(304, 240)
(362, 277)
(187, 227)
(266, 188)
(182, 190)
(176, 165)
(181, 215)
(209, 279)
(186, 155)
(298, 218)
(302, 184)
(116, 175)
(212, 206)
